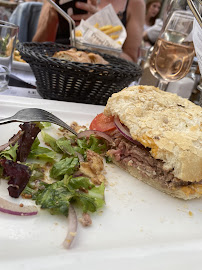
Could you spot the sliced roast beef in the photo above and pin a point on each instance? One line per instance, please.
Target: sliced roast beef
(129, 154)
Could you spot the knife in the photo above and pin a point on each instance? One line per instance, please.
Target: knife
(17, 82)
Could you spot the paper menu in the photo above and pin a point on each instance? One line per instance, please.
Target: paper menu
(92, 35)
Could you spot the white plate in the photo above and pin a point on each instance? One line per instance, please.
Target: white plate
(21, 66)
(140, 228)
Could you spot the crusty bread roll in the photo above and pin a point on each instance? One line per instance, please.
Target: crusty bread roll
(73, 56)
(97, 59)
(80, 56)
(170, 127)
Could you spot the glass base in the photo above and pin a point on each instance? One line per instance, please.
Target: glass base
(4, 78)
(3, 86)
(162, 85)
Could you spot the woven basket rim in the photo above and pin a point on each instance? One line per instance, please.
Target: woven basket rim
(125, 67)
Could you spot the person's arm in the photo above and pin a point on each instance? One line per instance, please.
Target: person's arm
(134, 28)
(145, 36)
(146, 41)
(48, 20)
(47, 24)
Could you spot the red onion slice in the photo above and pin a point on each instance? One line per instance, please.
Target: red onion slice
(124, 131)
(15, 209)
(72, 227)
(80, 157)
(13, 140)
(97, 133)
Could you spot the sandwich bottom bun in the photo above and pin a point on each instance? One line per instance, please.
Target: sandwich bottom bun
(189, 192)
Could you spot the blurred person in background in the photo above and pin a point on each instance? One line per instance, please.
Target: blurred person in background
(52, 27)
(5, 14)
(26, 16)
(153, 8)
(152, 32)
(153, 24)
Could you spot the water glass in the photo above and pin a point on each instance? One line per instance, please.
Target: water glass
(8, 36)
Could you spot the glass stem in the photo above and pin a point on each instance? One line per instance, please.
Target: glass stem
(162, 85)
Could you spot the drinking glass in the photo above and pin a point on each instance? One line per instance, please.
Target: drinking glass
(8, 36)
(173, 51)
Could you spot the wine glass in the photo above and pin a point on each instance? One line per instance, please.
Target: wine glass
(173, 51)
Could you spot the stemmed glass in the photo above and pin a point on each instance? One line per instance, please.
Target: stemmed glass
(173, 51)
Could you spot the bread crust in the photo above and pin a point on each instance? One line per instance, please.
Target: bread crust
(168, 124)
(73, 56)
(80, 56)
(192, 191)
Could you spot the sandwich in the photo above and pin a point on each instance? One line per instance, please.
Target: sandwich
(157, 139)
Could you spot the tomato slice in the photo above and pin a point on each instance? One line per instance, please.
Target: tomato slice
(102, 123)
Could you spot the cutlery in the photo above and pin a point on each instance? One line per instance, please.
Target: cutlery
(36, 115)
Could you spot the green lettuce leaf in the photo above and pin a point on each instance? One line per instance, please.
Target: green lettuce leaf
(35, 143)
(97, 145)
(36, 180)
(65, 146)
(42, 153)
(82, 143)
(11, 153)
(88, 203)
(98, 194)
(80, 182)
(37, 172)
(91, 200)
(65, 166)
(50, 141)
(57, 196)
(43, 125)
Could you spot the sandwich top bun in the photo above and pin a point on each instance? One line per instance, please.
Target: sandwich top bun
(166, 123)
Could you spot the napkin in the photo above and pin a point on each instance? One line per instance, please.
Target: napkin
(92, 35)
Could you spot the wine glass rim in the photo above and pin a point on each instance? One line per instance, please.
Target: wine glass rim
(184, 12)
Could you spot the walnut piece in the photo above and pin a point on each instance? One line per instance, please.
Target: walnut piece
(93, 167)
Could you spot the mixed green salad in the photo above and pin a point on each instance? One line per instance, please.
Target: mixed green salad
(46, 169)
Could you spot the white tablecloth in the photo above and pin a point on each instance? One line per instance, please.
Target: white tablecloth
(26, 76)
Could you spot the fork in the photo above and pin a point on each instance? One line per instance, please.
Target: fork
(36, 115)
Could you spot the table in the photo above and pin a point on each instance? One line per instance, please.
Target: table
(28, 77)
(26, 74)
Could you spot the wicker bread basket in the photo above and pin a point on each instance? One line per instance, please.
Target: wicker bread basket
(73, 81)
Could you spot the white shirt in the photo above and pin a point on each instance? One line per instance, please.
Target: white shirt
(154, 30)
